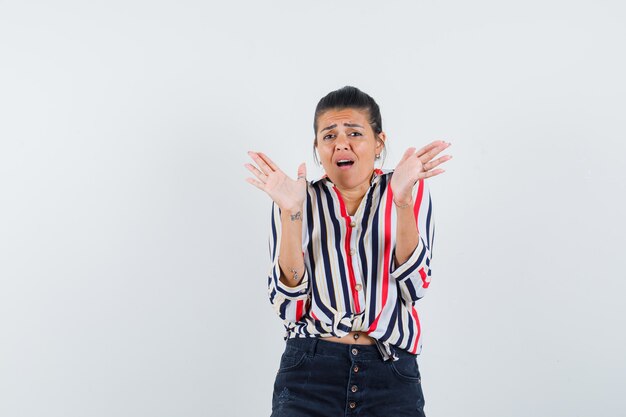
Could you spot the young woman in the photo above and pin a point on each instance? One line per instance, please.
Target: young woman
(350, 256)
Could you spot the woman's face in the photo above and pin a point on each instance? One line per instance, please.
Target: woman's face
(347, 146)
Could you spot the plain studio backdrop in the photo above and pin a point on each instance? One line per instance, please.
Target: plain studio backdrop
(134, 256)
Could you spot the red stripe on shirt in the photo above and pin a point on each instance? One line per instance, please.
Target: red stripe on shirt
(418, 200)
(344, 213)
(314, 316)
(416, 211)
(387, 256)
(419, 330)
(299, 309)
(425, 281)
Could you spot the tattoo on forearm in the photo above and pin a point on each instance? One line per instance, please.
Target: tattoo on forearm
(297, 216)
(295, 273)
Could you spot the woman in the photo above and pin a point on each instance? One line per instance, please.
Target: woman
(350, 256)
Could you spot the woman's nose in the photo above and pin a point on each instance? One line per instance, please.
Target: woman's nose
(341, 142)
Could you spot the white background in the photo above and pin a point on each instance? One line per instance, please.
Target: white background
(133, 254)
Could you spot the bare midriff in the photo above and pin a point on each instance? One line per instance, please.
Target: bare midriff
(353, 338)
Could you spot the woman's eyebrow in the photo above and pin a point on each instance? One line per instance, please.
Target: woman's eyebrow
(345, 124)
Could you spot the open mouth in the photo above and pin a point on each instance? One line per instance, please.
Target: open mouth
(344, 163)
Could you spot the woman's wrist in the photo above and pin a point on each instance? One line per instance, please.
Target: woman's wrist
(294, 212)
(401, 204)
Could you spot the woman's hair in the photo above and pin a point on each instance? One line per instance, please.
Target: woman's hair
(350, 97)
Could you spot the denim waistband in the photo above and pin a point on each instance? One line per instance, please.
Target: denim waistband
(317, 345)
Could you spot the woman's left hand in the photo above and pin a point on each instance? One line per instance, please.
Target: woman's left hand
(414, 166)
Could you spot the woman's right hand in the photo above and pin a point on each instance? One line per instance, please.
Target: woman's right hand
(287, 193)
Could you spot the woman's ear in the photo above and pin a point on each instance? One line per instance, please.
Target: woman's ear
(318, 161)
(380, 143)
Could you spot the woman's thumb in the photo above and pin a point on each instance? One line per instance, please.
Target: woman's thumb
(302, 170)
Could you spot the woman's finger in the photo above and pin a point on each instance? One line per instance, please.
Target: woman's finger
(269, 162)
(261, 176)
(433, 173)
(428, 147)
(257, 184)
(302, 171)
(407, 154)
(431, 164)
(260, 162)
(431, 154)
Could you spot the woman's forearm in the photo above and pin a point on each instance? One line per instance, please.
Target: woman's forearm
(407, 236)
(290, 257)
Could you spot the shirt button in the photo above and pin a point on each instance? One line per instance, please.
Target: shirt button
(355, 351)
(353, 224)
(356, 368)
(358, 287)
(352, 251)
(352, 404)
(354, 388)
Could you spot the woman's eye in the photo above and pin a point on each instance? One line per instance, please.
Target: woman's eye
(330, 136)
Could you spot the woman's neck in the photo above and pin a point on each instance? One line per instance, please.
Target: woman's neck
(352, 196)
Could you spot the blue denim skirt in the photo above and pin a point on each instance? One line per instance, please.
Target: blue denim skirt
(317, 377)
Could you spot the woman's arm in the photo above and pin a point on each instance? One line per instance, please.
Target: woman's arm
(407, 235)
(287, 295)
(288, 196)
(413, 272)
(287, 298)
(412, 168)
(415, 225)
(290, 257)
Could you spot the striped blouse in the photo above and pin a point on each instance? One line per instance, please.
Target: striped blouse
(351, 281)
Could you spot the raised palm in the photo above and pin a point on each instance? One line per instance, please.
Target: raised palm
(417, 165)
(287, 193)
